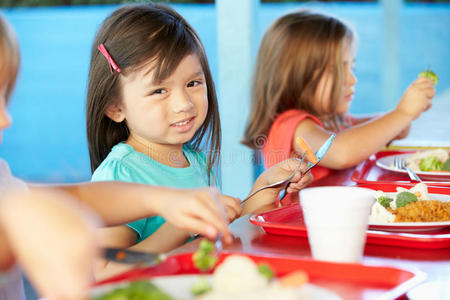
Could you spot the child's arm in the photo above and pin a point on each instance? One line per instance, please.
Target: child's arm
(356, 144)
(265, 199)
(116, 202)
(53, 240)
(363, 119)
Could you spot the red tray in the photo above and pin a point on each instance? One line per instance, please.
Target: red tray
(369, 172)
(345, 279)
(289, 221)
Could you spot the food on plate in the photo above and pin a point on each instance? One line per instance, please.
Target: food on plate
(431, 75)
(430, 160)
(239, 277)
(413, 205)
(201, 286)
(204, 258)
(266, 271)
(138, 290)
(424, 211)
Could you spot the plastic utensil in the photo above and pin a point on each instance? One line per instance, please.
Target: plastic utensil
(278, 183)
(400, 164)
(319, 154)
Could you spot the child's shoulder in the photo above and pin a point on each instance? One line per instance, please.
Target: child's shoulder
(4, 167)
(295, 116)
(117, 165)
(7, 180)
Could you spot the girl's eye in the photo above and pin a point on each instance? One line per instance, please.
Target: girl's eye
(158, 92)
(194, 83)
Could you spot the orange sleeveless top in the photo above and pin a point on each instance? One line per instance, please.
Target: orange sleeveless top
(279, 145)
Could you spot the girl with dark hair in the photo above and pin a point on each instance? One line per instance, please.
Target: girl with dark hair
(152, 118)
(59, 222)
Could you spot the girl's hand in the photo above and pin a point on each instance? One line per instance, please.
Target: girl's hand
(267, 198)
(232, 207)
(284, 169)
(417, 98)
(199, 210)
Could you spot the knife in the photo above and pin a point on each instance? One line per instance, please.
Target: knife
(126, 256)
(319, 154)
(323, 150)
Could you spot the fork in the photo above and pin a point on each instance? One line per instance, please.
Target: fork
(400, 164)
(280, 183)
(218, 242)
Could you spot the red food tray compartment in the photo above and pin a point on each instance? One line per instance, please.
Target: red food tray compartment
(369, 172)
(344, 279)
(289, 221)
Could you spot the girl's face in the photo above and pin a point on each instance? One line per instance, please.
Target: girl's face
(5, 119)
(166, 113)
(323, 92)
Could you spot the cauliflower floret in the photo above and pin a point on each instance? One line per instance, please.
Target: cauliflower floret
(421, 191)
(379, 214)
(238, 274)
(238, 278)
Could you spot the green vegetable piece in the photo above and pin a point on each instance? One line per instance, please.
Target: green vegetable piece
(385, 201)
(201, 286)
(431, 75)
(206, 246)
(203, 259)
(204, 262)
(266, 271)
(430, 163)
(446, 165)
(138, 290)
(404, 198)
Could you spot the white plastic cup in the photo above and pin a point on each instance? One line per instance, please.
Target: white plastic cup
(336, 219)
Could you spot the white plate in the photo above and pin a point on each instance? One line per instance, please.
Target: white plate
(413, 226)
(387, 163)
(178, 286)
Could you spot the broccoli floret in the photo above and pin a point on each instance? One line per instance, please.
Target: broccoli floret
(404, 198)
(266, 271)
(206, 246)
(430, 74)
(446, 165)
(203, 259)
(430, 163)
(385, 201)
(201, 286)
(142, 290)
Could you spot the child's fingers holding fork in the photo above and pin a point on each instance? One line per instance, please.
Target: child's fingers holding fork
(299, 181)
(232, 207)
(195, 210)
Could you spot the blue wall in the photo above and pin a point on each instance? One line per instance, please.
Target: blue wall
(47, 140)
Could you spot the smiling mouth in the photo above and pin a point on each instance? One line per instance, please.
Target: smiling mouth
(184, 122)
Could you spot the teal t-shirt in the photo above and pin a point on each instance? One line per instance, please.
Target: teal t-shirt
(124, 163)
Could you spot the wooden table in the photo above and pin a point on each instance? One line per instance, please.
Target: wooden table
(435, 263)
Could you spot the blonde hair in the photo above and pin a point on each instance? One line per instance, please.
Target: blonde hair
(9, 57)
(295, 52)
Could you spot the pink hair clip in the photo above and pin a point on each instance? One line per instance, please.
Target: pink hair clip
(112, 64)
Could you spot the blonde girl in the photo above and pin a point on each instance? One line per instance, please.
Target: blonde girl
(152, 115)
(303, 85)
